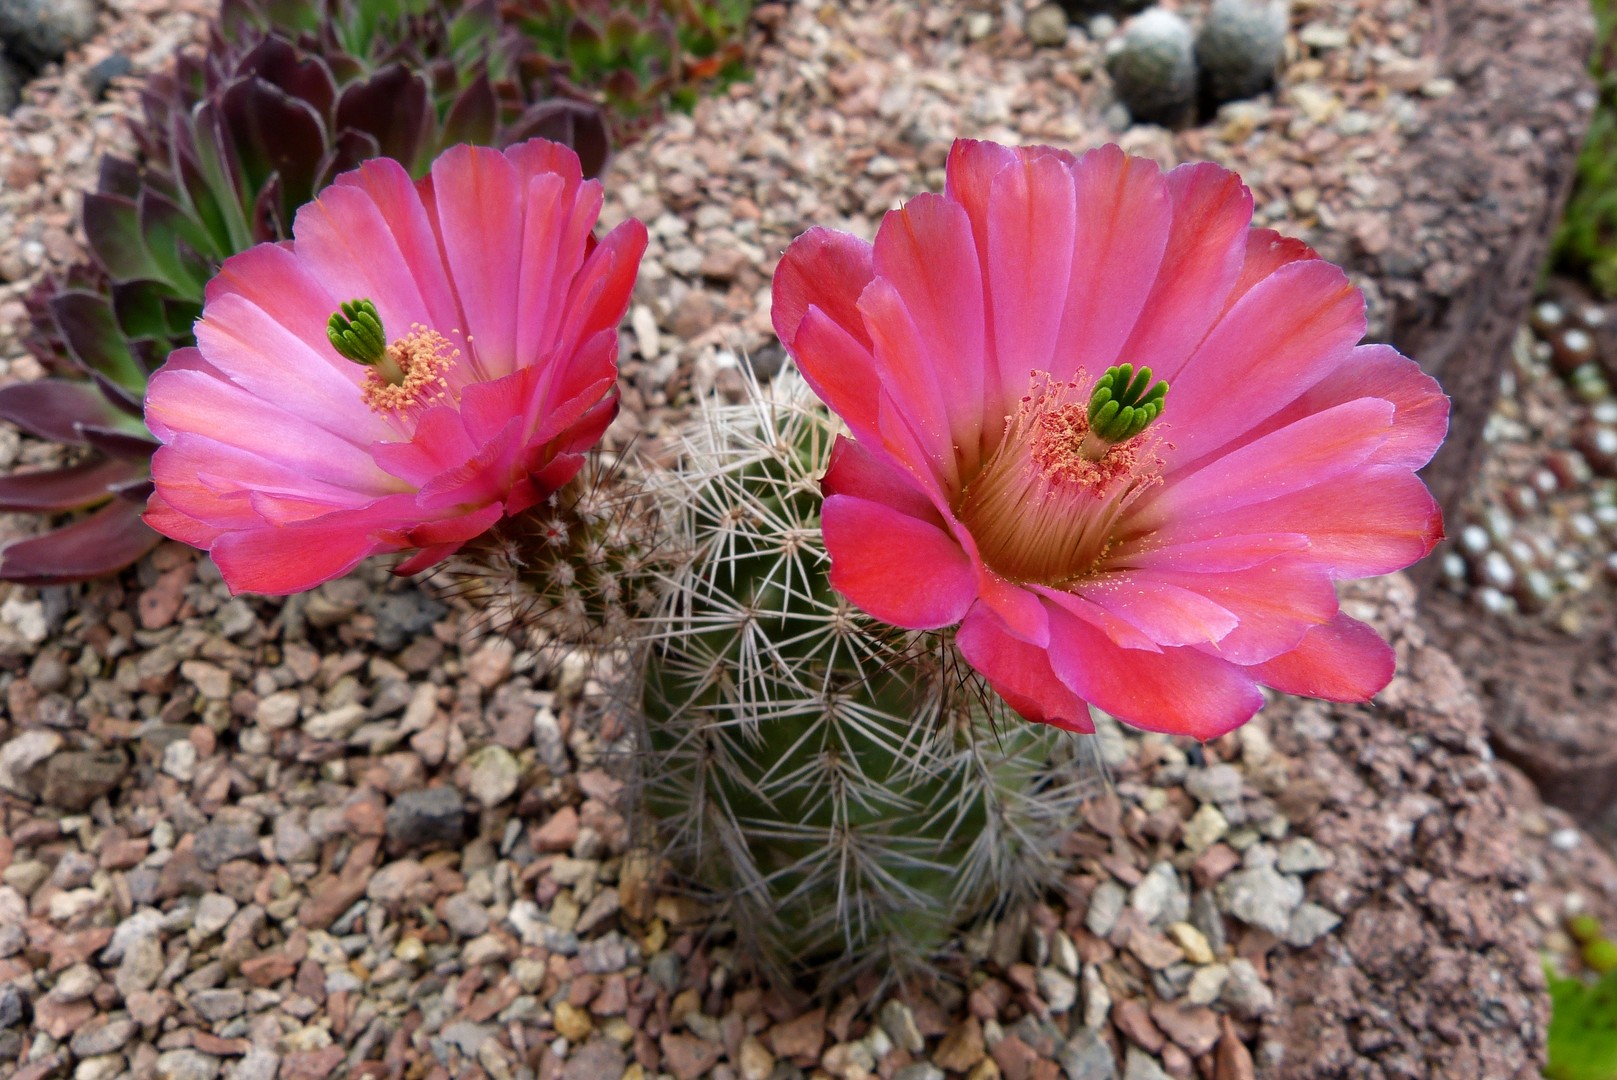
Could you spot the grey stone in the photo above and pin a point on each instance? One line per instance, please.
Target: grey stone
(1087, 1057)
(22, 755)
(77, 778)
(214, 912)
(187, 1065)
(466, 1036)
(217, 1005)
(608, 953)
(261, 1063)
(1245, 993)
(1142, 1066)
(144, 923)
(11, 1007)
(1261, 897)
(219, 842)
(1220, 783)
(495, 774)
(1309, 923)
(1205, 916)
(142, 964)
(40, 31)
(664, 970)
(1047, 25)
(899, 1023)
(1097, 999)
(1154, 68)
(427, 816)
(1105, 905)
(466, 916)
(919, 1070)
(106, 1039)
(75, 984)
(1059, 991)
(1159, 897)
(1240, 47)
(1206, 984)
(403, 616)
(1300, 855)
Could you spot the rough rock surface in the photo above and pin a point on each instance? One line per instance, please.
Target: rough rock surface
(1435, 971)
(1473, 205)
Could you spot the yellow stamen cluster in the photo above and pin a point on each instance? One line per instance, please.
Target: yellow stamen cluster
(411, 374)
(1042, 509)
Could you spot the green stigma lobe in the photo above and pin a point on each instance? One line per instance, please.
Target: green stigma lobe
(356, 332)
(1124, 402)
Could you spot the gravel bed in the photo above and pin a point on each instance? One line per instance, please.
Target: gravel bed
(353, 833)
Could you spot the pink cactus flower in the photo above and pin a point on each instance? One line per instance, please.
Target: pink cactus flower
(420, 360)
(1123, 439)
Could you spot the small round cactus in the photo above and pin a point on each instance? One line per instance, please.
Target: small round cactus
(1154, 68)
(1240, 47)
(851, 789)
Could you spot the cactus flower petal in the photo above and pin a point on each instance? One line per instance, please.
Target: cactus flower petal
(292, 462)
(1161, 568)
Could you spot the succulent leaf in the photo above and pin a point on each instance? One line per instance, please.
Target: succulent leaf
(76, 487)
(90, 547)
(56, 409)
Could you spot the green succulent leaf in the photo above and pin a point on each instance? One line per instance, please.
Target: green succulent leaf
(176, 241)
(112, 227)
(96, 342)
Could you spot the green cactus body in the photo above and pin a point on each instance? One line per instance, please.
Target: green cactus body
(849, 788)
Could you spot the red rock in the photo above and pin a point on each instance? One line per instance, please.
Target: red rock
(559, 832)
(1211, 865)
(159, 604)
(312, 1064)
(332, 894)
(1233, 1061)
(209, 1043)
(800, 1039)
(986, 1002)
(269, 969)
(1134, 1021)
(962, 1048)
(148, 1008)
(76, 946)
(1194, 1028)
(688, 1057)
(613, 999)
(59, 1020)
(1015, 1058)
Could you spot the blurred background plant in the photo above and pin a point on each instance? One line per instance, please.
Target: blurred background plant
(1586, 243)
(635, 57)
(1583, 1010)
(236, 138)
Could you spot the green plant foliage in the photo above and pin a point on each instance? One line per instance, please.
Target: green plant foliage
(638, 56)
(233, 141)
(848, 788)
(1586, 242)
(1583, 1028)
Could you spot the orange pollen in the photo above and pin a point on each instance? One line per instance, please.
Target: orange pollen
(1042, 509)
(411, 374)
